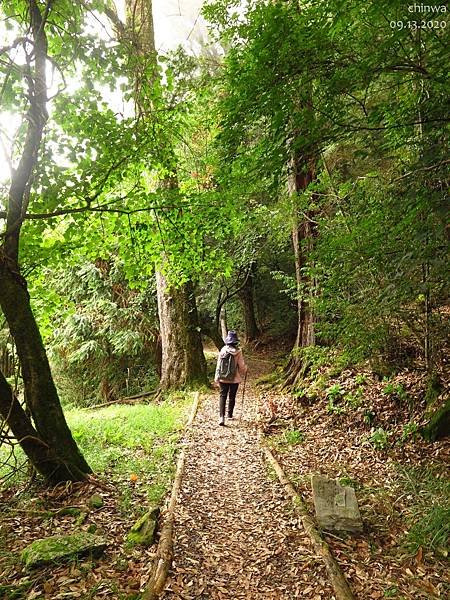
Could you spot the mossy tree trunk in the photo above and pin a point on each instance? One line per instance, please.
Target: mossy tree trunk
(55, 462)
(183, 361)
(303, 232)
(48, 443)
(438, 426)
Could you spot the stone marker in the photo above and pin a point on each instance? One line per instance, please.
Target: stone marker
(62, 547)
(336, 505)
(144, 530)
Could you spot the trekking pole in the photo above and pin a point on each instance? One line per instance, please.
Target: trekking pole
(243, 393)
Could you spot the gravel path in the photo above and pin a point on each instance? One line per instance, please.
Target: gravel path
(235, 534)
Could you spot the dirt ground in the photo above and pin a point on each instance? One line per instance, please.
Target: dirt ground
(236, 535)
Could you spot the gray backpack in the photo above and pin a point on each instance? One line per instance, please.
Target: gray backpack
(227, 366)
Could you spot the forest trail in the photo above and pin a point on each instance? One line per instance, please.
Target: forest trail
(235, 534)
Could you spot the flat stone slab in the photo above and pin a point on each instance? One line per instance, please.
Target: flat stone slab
(62, 547)
(336, 505)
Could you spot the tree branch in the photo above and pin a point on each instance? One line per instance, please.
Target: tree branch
(430, 168)
(106, 208)
(37, 117)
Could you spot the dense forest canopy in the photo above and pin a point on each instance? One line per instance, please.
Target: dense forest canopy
(177, 175)
(289, 177)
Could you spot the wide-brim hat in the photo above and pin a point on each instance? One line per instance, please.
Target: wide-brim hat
(231, 338)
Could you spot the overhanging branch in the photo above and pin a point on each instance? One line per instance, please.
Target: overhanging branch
(86, 209)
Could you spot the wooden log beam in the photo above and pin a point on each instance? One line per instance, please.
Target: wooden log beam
(125, 400)
(337, 579)
(164, 552)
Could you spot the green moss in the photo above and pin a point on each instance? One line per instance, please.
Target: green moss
(95, 501)
(433, 389)
(439, 424)
(55, 548)
(144, 530)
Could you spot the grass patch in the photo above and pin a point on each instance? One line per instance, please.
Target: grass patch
(294, 436)
(286, 439)
(346, 480)
(138, 441)
(123, 441)
(428, 516)
(270, 379)
(105, 434)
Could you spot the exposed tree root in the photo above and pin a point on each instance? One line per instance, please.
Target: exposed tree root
(296, 370)
(125, 400)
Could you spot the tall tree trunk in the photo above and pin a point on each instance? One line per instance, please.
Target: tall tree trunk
(300, 176)
(247, 298)
(302, 236)
(302, 241)
(183, 361)
(61, 459)
(40, 392)
(53, 465)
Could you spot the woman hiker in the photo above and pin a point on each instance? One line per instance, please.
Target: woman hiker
(230, 369)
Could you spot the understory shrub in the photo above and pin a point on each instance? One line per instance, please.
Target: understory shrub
(103, 343)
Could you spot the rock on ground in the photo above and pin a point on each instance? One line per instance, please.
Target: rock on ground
(144, 530)
(336, 505)
(61, 547)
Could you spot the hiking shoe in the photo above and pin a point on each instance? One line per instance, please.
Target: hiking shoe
(230, 417)
(222, 421)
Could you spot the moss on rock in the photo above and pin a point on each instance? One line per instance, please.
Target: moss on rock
(95, 501)
(143, 531)
(53, 549)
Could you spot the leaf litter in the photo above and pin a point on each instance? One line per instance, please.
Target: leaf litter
(336, 444)
(236, 536)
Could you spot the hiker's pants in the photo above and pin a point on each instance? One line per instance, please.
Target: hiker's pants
(230, 390)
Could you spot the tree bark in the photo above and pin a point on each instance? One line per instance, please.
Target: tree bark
(37, 117)
(209, 328)
(300, 176)
(302, 241)
(183, 361)
(247, 298)
(40, 392)
(52, 465)
(55, 454)
(223, 322)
